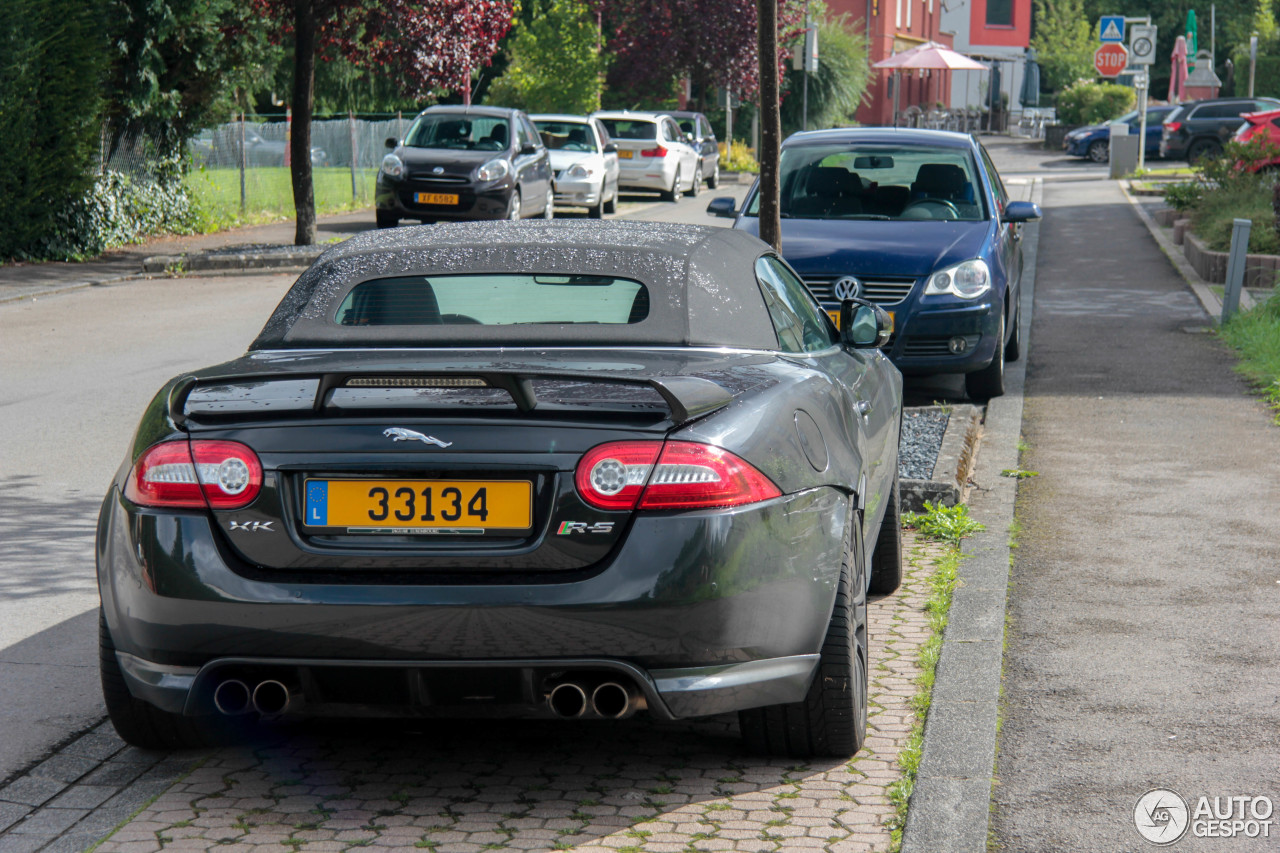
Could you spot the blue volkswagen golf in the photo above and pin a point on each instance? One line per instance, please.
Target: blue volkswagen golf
(916, 221)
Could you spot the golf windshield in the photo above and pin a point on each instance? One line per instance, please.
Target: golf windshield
(882, 182)
(460, 132)
(567, 136)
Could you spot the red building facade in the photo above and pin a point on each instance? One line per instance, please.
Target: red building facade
(895, 26)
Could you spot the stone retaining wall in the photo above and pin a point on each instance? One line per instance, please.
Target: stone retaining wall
(1260, 271)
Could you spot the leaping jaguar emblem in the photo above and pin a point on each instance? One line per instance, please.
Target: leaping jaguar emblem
(402, 434)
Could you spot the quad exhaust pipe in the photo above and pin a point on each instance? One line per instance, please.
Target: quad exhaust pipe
(611, 700)
(269, 698)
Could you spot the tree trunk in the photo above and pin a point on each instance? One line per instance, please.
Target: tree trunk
(304, 75)
(770, 122)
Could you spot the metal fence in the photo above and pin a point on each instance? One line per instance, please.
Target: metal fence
(242, 164)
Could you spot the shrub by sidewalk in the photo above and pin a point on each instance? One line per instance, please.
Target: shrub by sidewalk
(1256, 336)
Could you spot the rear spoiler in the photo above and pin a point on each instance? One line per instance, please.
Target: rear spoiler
(688, 397)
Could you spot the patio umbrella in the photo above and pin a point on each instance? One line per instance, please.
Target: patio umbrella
(931, 55)
(1030, 96)
(897, 59)
(1193, 43)
(1178, 78)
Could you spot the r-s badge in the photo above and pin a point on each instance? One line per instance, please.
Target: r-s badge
(568, 528)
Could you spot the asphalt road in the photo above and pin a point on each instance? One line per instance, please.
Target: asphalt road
(76, 371)
(1142, 636)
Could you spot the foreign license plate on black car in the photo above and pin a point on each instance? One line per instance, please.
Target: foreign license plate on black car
(436, 198)
(420, 507)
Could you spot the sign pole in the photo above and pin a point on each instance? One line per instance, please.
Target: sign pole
(1140, 81)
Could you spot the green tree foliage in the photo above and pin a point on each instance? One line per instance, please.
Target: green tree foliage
(1090, 103)
(835, 90)
(52, 61)
(174, 64)
(1262, 24)
(554, 61)
(1064, 42)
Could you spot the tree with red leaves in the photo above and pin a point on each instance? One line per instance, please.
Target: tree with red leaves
(710, 42)
(424, 45)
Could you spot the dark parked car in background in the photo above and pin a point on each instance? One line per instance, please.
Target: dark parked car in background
(1094, 141)
(557, 470)
(918, 222)
(220, 147)
(1200, 128)
(465, 163)
(698, 131)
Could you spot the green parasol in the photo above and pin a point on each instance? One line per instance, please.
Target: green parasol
(1191, 40)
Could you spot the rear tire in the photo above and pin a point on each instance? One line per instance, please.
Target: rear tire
(714, 180)
(1099, 151)
(695, 186)
(1203, 148)
(387, 219)
(988, 382)
(832, 718)
(141, 723)
(673, 193)
(886, 560)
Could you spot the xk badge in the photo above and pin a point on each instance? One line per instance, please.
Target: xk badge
(254, 526)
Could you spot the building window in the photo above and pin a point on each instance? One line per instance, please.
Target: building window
(999, 13)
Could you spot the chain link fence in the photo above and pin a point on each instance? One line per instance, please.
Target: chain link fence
(240, 169)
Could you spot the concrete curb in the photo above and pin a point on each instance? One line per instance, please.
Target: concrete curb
(1199, 287)
(950, 481)
(950, 807)
(224, 261)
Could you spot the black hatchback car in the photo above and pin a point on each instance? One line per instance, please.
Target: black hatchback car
(697, 130)
(571, 469)
(1200, 128)
(465, 163)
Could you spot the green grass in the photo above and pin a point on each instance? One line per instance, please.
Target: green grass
(942, 583)
(1255, 335)
(269, 194)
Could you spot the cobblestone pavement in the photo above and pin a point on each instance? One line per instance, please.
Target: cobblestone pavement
(633, 785)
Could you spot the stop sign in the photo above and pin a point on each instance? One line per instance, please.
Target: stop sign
(1111, 59)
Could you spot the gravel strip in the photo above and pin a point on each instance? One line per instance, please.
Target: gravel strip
(921, 439)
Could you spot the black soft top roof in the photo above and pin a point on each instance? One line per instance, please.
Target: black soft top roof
(701, 281)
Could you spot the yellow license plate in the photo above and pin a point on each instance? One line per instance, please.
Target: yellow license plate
(435, 198)
(624, 155)
(835, 318)
(420, 506)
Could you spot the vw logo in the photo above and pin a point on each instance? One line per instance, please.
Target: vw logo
(847, 287)
(438, 170)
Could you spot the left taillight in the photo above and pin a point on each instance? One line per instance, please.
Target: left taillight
(685, 475)
(195, 475)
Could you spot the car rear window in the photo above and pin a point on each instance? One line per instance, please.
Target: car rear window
(494, 300)
(621, 128)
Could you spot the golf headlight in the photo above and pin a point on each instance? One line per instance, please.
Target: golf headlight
(392, 166)
(968, 280)
(494, 170)
(579, 170)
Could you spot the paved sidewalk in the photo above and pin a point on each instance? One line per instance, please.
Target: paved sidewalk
(1142, 640)
(458, 786)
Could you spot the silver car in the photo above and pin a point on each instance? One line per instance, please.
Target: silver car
(584, 160)
(653, 154)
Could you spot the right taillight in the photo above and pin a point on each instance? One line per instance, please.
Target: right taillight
(686, 475)
(659, 151)
(217, 474)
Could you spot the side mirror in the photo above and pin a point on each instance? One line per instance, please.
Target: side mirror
(688, 137)
(1021, 211)
(864, 325)
(724, 207)
(392, 142)
(529, 148)
(611, 148)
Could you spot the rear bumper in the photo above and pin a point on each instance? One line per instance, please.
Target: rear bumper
(708, 608)
(669, 694)
(647, 174)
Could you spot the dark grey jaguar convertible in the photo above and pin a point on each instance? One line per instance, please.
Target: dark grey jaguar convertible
(575, 470)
